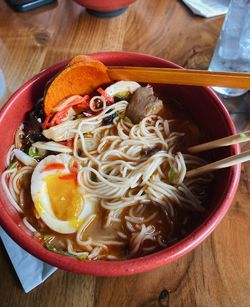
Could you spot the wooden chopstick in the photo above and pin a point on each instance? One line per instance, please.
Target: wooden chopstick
(227, 162)
(180, 76)
(226, 141)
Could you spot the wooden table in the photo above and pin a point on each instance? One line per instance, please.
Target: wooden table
(217, 273)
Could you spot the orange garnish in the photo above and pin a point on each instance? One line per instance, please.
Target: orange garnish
(53, 166)
(45, 124)
(108, 98)
(83, 105)
(55, 119)
(75, 167)
(82, 76)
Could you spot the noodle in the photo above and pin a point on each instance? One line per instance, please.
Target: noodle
(134, 172)
(28, 225)
(10, 155)
(7, 190)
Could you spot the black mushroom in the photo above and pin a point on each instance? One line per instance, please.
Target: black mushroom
(143, 103)
(108, 120)
(33, 126)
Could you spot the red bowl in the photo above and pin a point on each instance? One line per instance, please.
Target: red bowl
(105, 8)
(206, 108)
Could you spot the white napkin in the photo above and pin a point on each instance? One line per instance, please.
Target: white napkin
(208, 8)
(2, 84)
(30, 271)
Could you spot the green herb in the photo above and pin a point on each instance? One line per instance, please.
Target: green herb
(12, 165)
(120, 115)
(33, 153)
(127, 119)
(81, 257)
(122, 95)
(37, 235)
(53, 249)
(171, 175)
(83, 164)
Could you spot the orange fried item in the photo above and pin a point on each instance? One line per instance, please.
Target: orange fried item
(82, 58)
(81, 76)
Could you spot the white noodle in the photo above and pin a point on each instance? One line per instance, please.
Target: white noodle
(28, 225)
(124, 166)
(10, 155)
(112, 257)
(7, 191)
(95, 252)
(52, 146)
(122, 235)
(73, 252)
(24, 158)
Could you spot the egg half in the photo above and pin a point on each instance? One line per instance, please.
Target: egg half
(59, 200)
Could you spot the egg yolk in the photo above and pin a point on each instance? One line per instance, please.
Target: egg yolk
(65, 199)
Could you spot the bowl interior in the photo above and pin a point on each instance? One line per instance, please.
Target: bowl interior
(209, 113)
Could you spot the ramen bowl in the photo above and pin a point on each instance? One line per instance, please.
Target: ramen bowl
(206, 109)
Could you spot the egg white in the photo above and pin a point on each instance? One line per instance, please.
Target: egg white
(122, 87)
(41, 198)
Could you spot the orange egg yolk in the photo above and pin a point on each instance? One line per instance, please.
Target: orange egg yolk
(65, 199)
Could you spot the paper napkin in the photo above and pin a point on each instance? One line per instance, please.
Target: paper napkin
(208, 8)
(30, 271)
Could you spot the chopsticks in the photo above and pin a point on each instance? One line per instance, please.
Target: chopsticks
(227, 162)
(197, 78)
(230, 161)
(226, 141)
(180, 76)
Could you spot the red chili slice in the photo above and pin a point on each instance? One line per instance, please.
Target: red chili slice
(108, 98)
(53, 166)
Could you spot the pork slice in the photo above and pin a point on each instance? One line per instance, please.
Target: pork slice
(143, 103)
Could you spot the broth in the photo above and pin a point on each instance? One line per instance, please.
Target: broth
(171, 226)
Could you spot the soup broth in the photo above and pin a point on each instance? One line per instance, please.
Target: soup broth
(122, 227)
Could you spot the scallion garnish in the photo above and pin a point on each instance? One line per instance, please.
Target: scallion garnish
(52, 248)
(12, 165)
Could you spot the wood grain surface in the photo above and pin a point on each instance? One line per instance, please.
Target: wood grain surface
(217, 273)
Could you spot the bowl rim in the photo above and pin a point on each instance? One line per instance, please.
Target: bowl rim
(140, 264)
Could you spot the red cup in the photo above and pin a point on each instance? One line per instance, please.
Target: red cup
(105, 8)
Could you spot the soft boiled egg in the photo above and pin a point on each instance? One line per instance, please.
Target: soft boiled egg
(59, 201)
